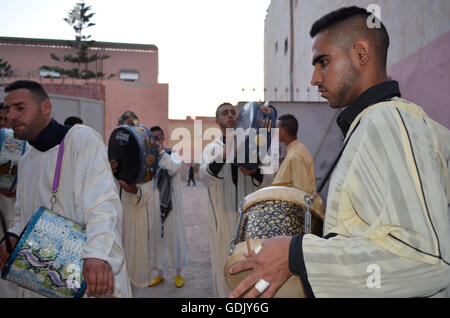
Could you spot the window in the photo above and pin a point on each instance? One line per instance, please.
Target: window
(129, 75)
(49, 74)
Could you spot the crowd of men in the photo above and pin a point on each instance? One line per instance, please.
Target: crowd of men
(387, 205)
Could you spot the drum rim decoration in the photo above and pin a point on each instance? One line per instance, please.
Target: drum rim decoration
(272, 193)
(24, 236)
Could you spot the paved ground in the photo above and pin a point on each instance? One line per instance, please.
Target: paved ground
(197, 274)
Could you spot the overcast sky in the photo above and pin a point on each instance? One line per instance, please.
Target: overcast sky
(209, 50)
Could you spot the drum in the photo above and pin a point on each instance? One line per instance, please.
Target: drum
(266, 213)
(136, 152)
(11, 149)
(47, 258)
(254, 130)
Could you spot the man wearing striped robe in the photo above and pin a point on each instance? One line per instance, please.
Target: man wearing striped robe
(387, 222)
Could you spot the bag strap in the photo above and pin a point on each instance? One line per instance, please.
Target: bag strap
(57, 174)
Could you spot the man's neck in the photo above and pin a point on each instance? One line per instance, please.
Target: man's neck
(289, 140)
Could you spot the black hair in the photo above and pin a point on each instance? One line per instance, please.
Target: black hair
(2, 105)
(290, 123)
(128, 115)
(220, 106)
(346, 21)
(36, 89)
(72, 120)
(157, 128)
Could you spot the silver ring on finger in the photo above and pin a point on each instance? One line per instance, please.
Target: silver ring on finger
(262, 285)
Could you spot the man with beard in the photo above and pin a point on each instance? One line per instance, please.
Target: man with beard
(387, 223)
(227, 185)
(86, 193)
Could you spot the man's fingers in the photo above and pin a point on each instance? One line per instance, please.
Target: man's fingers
(91, 280)
(245, 285)
(242, 266)
(110, 290)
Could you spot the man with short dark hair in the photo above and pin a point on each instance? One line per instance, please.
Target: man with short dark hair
(387, 223)
(297, 168)
(86, 193)
(167, 237)
(72, 120)
(227, 185)
(136, 205)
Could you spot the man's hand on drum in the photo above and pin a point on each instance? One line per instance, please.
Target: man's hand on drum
(270, 269)
(99, 277)
(114, 165)
(4, 254)
(129, 188)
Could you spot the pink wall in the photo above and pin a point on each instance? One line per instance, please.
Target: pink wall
(424, 78)
(27, 55)
(146, 97)
(149, 103)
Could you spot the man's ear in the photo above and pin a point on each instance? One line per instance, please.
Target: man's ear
(46, 107)
(361, 52)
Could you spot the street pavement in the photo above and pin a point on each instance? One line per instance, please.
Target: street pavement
(197, 273)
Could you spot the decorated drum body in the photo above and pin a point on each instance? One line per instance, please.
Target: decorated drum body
(11, 149)
(136, 152)
(47, 257)
(273, 211)
(255, 123)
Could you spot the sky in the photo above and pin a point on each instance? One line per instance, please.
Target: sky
(210, 51)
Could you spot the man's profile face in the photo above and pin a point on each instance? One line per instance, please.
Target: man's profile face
(227, 117)
(25, 114)
(334, 73)
(159, 137)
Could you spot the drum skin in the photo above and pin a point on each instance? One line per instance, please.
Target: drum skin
(47, 257)
(135, 150)
(266, 213)
(11, 149)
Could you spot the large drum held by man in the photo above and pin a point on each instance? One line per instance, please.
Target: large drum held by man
(47, 259)
(11, 149)
(136, 152)
(266, 213)
(254, 130)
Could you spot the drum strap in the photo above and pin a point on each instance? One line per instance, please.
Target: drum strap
(57, 174)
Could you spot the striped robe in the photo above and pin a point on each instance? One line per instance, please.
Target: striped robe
(389, 204)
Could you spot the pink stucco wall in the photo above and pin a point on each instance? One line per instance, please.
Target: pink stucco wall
(424, 78)
(148, 102)
(146, 97)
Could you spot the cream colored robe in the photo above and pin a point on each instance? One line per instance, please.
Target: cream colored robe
(224, 199)
(136, 233)
(389, 204)
(171, 250)
(7, 289)
(87, 194)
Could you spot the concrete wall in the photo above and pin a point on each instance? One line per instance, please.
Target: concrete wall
(418, 57)
(91, 111)
(317, 131)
